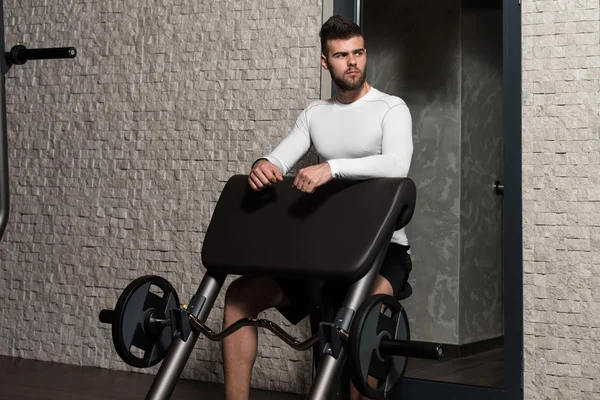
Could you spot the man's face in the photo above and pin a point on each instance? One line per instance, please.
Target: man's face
(346, 62)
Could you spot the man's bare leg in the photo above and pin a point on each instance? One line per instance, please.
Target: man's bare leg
(381, 286)
(245, 298)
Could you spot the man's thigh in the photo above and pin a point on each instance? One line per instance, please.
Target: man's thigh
(299, 298)
(396, 268)
(257, 293)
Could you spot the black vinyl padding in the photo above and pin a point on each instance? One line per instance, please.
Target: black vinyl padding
(332, 234)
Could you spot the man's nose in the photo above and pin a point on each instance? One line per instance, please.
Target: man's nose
(351, 60)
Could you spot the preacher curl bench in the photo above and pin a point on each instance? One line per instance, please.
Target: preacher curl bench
(339, 234)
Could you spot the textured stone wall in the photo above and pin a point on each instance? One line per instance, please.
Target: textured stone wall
(118, 156)
(561, 190)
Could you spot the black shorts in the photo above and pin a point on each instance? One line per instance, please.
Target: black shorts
(396, 267)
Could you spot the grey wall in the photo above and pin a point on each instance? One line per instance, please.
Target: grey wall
(480, 306)
(413, 51)
(118, 156)
(423, 52)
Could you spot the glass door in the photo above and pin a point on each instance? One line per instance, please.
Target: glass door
(457, 65)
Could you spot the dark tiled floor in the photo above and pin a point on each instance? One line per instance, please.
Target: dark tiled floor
(484, 369)
(38, 380)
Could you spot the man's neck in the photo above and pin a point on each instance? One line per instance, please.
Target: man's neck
(350, 96)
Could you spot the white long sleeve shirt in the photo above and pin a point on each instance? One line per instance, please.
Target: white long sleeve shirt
(369, 138)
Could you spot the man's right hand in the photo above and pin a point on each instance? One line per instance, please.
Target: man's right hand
(264, 173)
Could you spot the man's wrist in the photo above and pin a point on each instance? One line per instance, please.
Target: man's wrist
(257, 160)
(332, 168)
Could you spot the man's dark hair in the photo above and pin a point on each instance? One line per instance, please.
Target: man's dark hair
(337, 28)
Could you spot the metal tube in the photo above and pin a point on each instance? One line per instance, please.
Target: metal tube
(4, 178)
(259, 323)
(325, 378)
(170, 370)
(408, 348)
(45, 53)
(359, 290)
(330, 367)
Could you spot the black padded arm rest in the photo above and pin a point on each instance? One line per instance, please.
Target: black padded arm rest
(333, 234)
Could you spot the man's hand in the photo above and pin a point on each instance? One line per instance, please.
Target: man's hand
(310, 178)
(264, 173)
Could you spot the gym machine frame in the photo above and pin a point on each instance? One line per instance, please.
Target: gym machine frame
(188, 322)
(374, 345)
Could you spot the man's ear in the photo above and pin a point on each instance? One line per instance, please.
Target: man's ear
(324, 61)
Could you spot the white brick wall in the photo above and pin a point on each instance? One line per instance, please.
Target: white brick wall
(117, 158)
(561, 215)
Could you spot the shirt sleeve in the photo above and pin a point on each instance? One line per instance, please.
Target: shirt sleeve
(293, 147)
(396, 151)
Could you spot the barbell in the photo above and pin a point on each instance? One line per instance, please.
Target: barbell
(148, 316)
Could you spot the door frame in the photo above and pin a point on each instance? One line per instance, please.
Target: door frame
(512, 218)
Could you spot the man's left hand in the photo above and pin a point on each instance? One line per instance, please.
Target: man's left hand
(310, 178)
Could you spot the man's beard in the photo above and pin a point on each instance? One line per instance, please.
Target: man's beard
(347, 85)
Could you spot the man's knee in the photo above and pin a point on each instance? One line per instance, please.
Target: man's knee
(238, 296)
(382, 286)
(250, 297)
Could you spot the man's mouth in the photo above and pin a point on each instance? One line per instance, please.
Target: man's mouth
(353, 72)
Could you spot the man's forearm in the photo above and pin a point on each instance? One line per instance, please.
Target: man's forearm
(377, 166)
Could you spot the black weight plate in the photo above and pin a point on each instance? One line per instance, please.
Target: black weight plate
(130, 326)
(368, 327)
